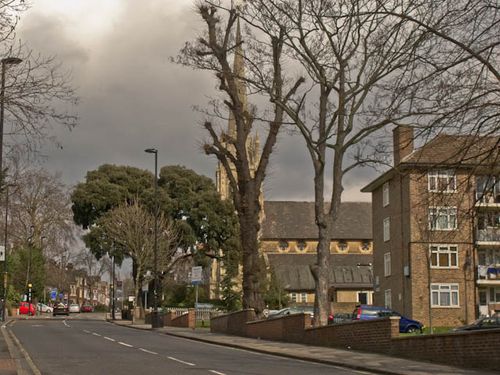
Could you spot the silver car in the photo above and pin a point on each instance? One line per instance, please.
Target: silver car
(74, 308)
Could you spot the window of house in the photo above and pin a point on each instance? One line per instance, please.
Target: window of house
(488, 257)
(444, 256)
(444, 295)
(363, 298)
(488, 189)
(385, 194)
(283, 245)
(442, 218)
(303, 297)
(388, 298)
(495, 294)
(293, 297)
(443, 181)
(387, 264)
(387, 229)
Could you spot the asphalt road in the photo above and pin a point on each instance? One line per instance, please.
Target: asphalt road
(77, 346)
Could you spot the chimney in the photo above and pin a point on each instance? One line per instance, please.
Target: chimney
(403, 142)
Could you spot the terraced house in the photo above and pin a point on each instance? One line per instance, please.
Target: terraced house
(436, 229)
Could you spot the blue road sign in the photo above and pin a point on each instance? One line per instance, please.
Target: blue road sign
(53, 294)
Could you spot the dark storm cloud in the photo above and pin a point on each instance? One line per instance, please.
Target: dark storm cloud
(132, 98)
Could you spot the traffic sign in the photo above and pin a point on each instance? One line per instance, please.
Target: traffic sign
(53, 294)
(196, 276)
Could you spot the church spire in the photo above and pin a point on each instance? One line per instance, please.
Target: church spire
(239, 73)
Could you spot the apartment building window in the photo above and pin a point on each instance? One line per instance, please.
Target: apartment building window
(444, 256)
(444, 295)
(303, 297)
(387, 229)
(388, 298)
(387, 264)
(385, 194)
(495, 294)
(442, 218)
(443, 181)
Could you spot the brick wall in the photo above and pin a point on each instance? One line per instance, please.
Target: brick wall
(289, 328)
(480, 349)
(370, 335)
(232, 323)
(186, 320)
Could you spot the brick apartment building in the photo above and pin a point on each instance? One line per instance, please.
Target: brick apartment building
(436, 229)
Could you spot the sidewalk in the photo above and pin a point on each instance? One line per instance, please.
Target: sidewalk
(376, 363)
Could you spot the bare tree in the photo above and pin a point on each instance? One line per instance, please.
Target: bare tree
(367, 69)
(130, 228)
(244, 165)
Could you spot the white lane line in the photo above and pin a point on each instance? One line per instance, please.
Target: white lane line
(109, 338)
(178, 360)
(125, 344)
(96, 334)
(216, 372)
(147, 351)
(86, 331)
(66, 324)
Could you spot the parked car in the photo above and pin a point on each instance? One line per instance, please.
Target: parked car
(26, 308)
(74, 308)
(60, 309)
(42, 307)
(490, 322)
(339, 318)
(292, 310)
(87, 308)
(368, 312)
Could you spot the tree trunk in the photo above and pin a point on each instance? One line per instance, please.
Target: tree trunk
(252, 273)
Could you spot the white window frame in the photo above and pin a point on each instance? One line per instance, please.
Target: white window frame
(303, 297)
(387, 229)
(387, 264)
(385, 194)
(450, 250)
(439, 290)
(447, 212)
(433, 178)
(293, 297)
(388, 298)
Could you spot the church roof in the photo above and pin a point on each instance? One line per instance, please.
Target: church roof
(295, 220)
(293, 271)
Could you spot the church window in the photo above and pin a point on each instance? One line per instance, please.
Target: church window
(283, 245)
(342, 245)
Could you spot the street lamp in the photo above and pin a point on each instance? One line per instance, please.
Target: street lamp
(154, 316)
(6, 61)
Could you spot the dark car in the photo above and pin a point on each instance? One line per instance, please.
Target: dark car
(368, 312)
(60, 309)
(490, 322)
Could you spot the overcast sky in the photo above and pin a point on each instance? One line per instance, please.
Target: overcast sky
(132, 97)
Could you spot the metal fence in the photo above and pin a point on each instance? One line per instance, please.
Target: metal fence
(202, 313)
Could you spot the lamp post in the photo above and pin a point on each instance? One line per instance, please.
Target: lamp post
(5, 62)
(154, 316)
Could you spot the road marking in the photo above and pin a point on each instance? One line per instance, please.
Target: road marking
(96, 334)
(66, 324)
(178, 360)
(86, 331)
(125, 344)
(216, 372)
(147, 351)
(109, 338)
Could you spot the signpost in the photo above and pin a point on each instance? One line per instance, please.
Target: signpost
(53, 294)
(196, 276)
